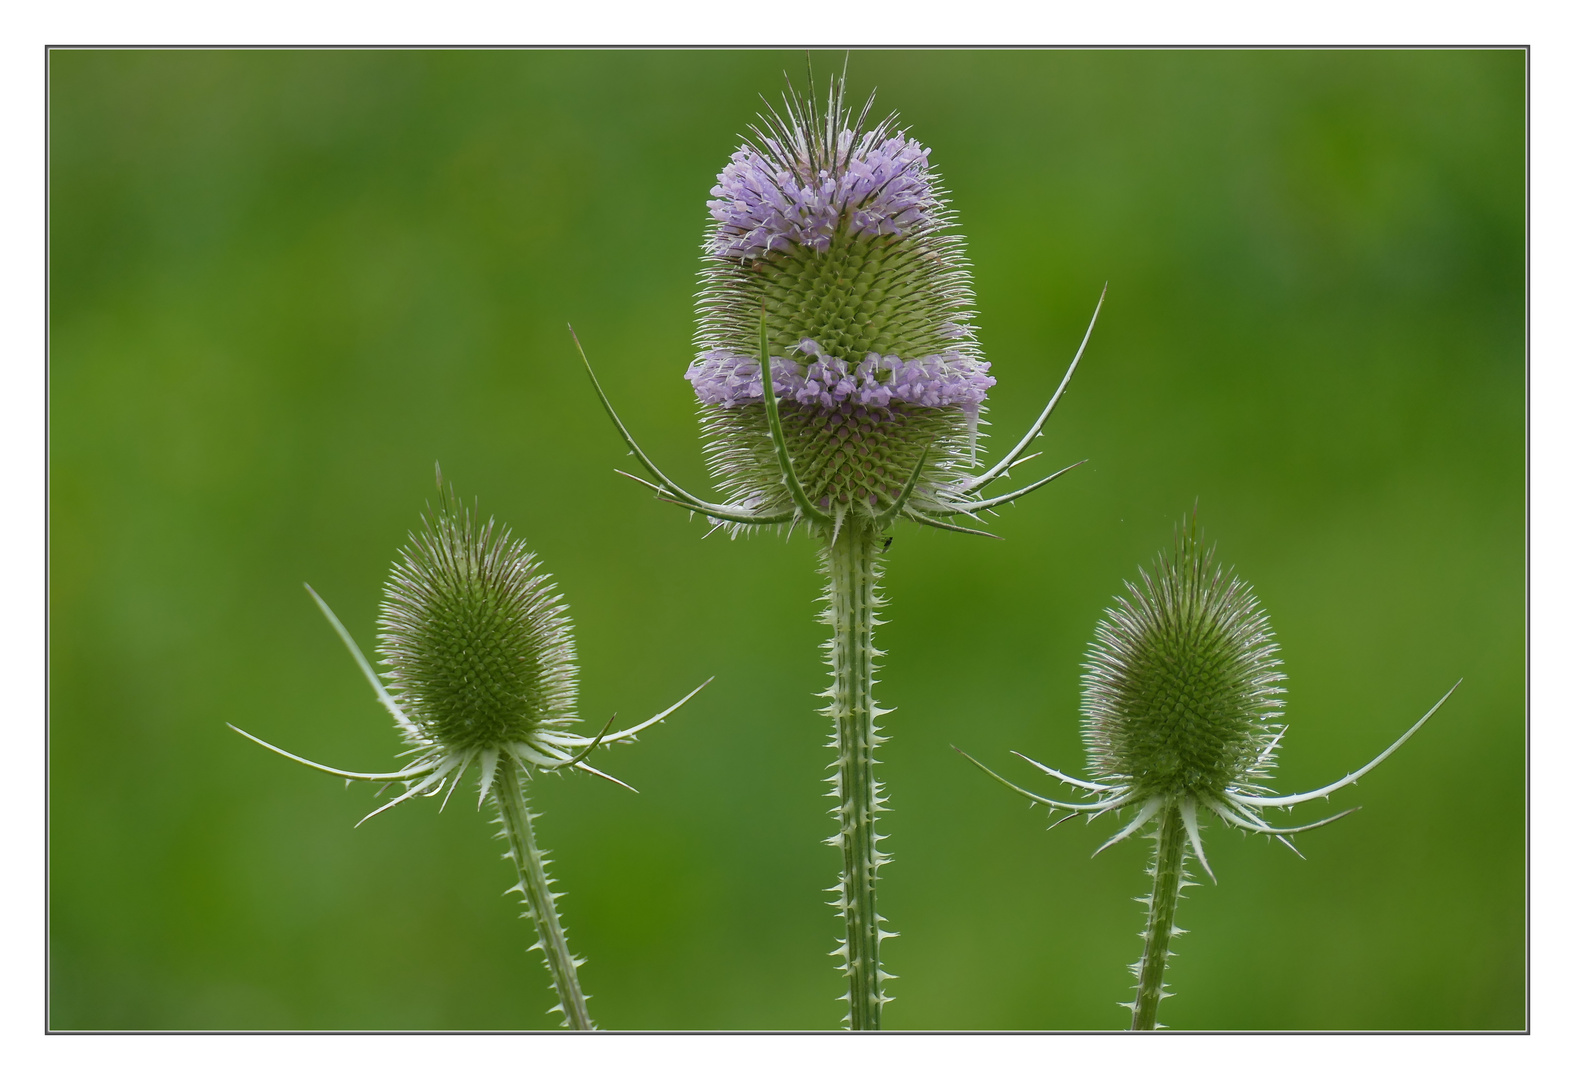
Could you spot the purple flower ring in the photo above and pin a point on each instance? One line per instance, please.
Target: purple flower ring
(836, 236)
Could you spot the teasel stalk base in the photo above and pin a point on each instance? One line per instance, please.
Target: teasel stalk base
(1169, 873)
(535, 889)
(852, 565)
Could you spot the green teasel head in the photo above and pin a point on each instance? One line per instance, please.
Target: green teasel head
(1182, 685)
(480, 665)
(474, 636)
(479, 658)
(832, 248)
(1182, 691)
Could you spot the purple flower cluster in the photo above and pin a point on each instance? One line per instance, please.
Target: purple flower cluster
(729, 379)
(773, 200)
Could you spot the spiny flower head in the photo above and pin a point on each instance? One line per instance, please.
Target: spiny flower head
(475, 637)
(1181, 691)
(480, 660)
(1183, 681)
(831, 237)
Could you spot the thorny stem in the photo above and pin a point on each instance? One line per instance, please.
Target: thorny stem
(852, 567)
(535, 889)
(1170, 851)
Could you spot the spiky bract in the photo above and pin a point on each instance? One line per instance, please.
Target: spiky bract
(1183, 682)
(835, 234)
(476, 639)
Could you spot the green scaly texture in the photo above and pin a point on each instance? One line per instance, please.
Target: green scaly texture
(841, 457)
(907, 296)
(477, 642)
(863, 294)
(1182, 681)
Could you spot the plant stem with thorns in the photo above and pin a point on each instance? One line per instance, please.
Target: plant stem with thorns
(535, 889)
(1170, 852)
(851, 562)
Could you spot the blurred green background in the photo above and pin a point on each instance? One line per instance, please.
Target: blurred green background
(284, 283)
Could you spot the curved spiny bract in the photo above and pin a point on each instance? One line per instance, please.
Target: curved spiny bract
(1182, 689)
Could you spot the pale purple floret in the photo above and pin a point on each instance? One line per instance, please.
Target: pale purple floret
(730, 379)
(773, 200)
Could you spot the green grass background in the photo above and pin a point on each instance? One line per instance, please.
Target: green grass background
(283, 284)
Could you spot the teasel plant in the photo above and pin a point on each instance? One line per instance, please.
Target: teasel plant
(1182, 691)
(479, 657)
(833, 261)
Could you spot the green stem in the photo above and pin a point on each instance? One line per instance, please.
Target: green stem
(535, 888)
(1170, 851)
(852, 566)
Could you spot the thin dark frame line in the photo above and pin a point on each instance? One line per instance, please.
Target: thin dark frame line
(1526, 595)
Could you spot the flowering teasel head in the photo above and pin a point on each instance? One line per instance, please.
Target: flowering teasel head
(833, 250)
(840, 385)
(833, 261)
(1182, 691)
